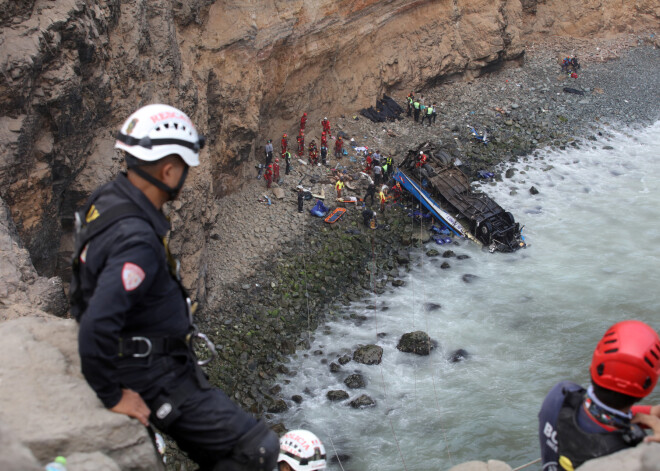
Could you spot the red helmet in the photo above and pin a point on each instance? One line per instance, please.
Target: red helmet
(284, 135)
(277, 160)
(323, 133)
(627, 359)
(304, 114)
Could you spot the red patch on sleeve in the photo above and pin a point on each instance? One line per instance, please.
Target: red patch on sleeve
(132, 276)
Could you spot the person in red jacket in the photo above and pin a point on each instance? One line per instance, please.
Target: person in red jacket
(276, 171)
(268, 176)
(324, 139)
(369, 166)
(301, 143)
(285, 143)
(303, 120)
(326, 126)
(339, 144)
(313, 153)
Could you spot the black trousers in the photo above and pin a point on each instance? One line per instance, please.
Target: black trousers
(416, 115)
(288, 168)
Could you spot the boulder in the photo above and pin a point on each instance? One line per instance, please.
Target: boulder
(432, 253)
(278, 406)
(337, 395)
(445, 265)
(278, 193)
(458, 355)
(533, 190)
(448, 254)
(398, 283)
(355, 381)
(417, 342)
(368, 354)
(363, 402)
(403, 257)
(420, 235)
(65, 416)
(334, 367)
(469, 278)
(297, 398)
(430, 307)
(344, 359)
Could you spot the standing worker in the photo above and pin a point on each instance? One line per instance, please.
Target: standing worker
(303, 121)
(285, 143)
(371, 192)
(339, 186)
(301, 199)
(389, 161)
(276, 171)
(269, 152)
(416, 105)
(136, 331)
(268, 176)
(410, 99)
(435, 112)
(301, 143)
(324, 154)
(382, 198)
(326, 126)
(339, 144)
(287, 161)
(428, 114)
(324, 139)
(378, 174)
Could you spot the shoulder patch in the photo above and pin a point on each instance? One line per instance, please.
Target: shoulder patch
(132, 276)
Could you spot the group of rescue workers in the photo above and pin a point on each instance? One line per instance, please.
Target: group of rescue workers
(137, 332)
(416, 106)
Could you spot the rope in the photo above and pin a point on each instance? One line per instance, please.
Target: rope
(526, 465)
(336, 454)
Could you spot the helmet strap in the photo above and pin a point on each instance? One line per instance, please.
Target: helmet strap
(172, 192)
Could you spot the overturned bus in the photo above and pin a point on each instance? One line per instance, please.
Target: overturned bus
(443, 188)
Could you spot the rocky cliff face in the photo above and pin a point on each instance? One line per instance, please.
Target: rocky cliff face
(73, 69)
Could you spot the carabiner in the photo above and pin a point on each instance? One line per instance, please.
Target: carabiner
(209, 345)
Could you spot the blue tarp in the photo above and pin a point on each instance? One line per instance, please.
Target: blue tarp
(319, 209)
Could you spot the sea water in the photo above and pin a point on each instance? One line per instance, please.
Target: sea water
(530, 318)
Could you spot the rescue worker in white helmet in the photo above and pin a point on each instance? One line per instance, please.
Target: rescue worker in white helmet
(136, 324)
(301, 450)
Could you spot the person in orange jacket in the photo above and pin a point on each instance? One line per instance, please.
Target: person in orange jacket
(285, 143)
(303, 120)
(313, 153)
(326, 126)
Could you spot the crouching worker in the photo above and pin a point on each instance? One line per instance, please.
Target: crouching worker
(136, 330)
(301, 450)
(576, 425)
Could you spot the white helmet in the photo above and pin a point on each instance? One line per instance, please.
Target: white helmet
(156, 131)
(302, 450)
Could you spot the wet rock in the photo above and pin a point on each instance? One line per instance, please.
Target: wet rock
(398, 283)
(363, 402)
(448, 254)
(430, 307)
(462, 257)
(608, 148)
(420, 236)
(297, 398)
(445, 265)
(337, 395)
(368, 354)
(458, 355)
(355, 381)
(432, 253)
(403, 257)
(334, 367)
(275, 390)
(510, 172)
(344, 359)
(469, 278)
(417, 342)
(533, 190)
(278, 406)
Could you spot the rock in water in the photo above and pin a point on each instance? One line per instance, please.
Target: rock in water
(534, 191)
(355, 381)
(368, 355)
(344, 359)
(334, 367)
(417, 342)
(337, 395)
(430, 307)
(458, 355)
(448, 254)
(363, 402)
(278, 406)
(468, 278)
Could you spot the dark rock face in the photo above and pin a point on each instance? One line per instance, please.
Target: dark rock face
(355, 381)
(368, 355)
(337, 395)
(417, 342)
(363, 402)
(458, 355)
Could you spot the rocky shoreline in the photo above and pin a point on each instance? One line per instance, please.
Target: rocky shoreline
(300, 271)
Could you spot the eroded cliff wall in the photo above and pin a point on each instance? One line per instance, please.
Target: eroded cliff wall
(72, 70)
